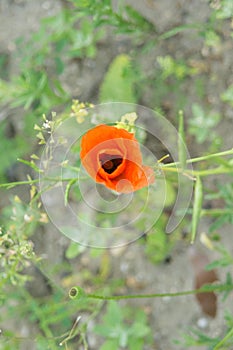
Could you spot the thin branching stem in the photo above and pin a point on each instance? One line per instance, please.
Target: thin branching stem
(204, 289)
(200, 159)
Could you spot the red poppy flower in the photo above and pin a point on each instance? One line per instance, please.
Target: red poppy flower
(112, 157)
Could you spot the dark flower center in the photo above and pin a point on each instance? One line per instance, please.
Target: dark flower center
(110, 162)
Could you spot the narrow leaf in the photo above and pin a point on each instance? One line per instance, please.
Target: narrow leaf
(34, 156)
(74, 250)
(40, 136)
(177, 30)
(181, 141)
(31, 164)
(197, 206)
(67, 191)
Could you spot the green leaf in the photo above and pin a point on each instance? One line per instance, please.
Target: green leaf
(110, 344)
(225, 260)
(114, 314)
(127, 336)
(229, 282)
(105, 331)
(178, 29)
(15, 147)
(112, 322)
(123, 337)
(59, 65)
(118, 83)
(135, 344)
(74, 250)
(216, 264)
(202, 122)
(158, 243)
(219, 223)
(139, 330)
(225, 10)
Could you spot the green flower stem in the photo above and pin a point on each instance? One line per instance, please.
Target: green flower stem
(222, 341)
(200, 159)
(165, 167)
(188, 173)
(215, 212)
(201, 173)
(215, 171)
(31, 182)
(214, 155)
(17, 183)
(204, 289)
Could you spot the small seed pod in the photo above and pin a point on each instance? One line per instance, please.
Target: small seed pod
(77, 293)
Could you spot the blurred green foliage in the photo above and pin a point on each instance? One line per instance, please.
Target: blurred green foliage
(17, 224)
(227, 96)
(202, 124)
(172, 67)
(225, 194)
(118, 82)
(75, 34)
(117, 331)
